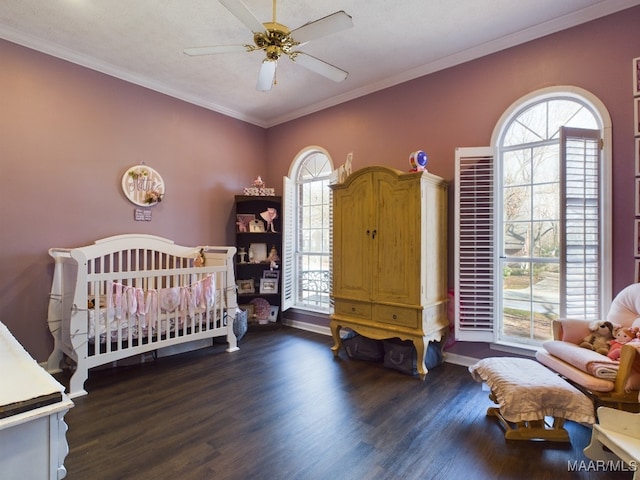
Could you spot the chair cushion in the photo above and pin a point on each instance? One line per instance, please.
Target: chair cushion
(583, 359)
(577, 376)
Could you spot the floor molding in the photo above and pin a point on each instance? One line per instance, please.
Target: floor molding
(309, 327)
(456, 359)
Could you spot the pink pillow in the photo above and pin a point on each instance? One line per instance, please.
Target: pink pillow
(574, 330)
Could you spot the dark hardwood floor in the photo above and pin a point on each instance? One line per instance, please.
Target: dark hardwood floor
(283, 408)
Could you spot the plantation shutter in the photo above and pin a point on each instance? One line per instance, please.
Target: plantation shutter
(581, 222)
(289, 233)
(475, 250)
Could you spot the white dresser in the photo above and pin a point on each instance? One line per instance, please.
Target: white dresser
(33, 442)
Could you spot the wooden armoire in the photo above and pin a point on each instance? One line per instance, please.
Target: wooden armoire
(390, 257)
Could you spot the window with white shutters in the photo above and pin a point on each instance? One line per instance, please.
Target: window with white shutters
(306, 278)
(531, 224)
(475, 244)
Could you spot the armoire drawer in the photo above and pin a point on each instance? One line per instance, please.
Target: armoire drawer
(353, 309)
(405, 317)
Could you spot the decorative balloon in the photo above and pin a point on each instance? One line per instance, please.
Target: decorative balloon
(418, 160)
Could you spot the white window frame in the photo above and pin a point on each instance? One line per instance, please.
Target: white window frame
(481, 324)
(292, 234)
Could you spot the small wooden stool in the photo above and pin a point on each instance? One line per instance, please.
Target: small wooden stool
(526, 393)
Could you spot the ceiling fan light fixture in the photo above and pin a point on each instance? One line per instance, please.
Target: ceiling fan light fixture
(276, 40)
(273, 52)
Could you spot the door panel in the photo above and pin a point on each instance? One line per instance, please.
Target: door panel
(352, 216)
(396, 245)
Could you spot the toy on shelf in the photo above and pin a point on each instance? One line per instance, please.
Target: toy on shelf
(269, 215)
(418, 161)
(257, 189)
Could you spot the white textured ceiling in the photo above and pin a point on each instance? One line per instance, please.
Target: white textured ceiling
(141, 41)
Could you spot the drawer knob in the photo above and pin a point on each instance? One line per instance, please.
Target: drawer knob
(395, 317)
(353, 309)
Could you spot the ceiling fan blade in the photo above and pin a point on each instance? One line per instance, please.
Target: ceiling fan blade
(266, 76)
(318, 66)
(333, 23)
(194, 51)
(242, 13)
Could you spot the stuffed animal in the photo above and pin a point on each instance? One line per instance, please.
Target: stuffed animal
(598, 340)
(621, 335)
(199, 260)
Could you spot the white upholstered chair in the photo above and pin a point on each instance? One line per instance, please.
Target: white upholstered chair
(613, 383)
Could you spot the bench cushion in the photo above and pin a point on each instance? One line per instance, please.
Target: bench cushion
(526, 390)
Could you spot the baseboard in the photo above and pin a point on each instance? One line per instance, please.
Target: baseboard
(456, 359)
(309, 327)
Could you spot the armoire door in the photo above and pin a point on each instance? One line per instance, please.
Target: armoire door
(352, 237)
(397, 240)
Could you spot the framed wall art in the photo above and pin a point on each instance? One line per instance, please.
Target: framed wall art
(256, 226)
(143, 186)
(268, 285)
(275, 274)
(245, 286)
(257, 252)
(273, 313)
(243, 220)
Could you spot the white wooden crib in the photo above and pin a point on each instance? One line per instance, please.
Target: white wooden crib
(130, 294)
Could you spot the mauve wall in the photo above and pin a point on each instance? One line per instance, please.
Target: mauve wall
(67, 135)
(460, 106)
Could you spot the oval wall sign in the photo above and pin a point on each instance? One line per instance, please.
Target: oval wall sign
(143, 186)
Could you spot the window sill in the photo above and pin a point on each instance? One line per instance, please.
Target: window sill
(321, 312)
(515, 348)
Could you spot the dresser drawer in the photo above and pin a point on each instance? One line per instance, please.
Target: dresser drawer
(353, 309)
(405, 317)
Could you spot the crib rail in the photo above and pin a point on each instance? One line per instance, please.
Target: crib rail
(131, 294)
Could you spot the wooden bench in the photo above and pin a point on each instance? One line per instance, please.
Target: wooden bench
(527, 393)
(619, 432)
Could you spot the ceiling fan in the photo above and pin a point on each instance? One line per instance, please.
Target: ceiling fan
(277, 40)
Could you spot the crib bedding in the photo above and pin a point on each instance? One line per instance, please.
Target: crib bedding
(136, 293)
(111, 328)
(134, 312)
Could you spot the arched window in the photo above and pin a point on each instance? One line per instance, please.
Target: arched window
(544, 192)
(307, 250)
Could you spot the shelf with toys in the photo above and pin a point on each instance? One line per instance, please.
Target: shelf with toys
(258, 262)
